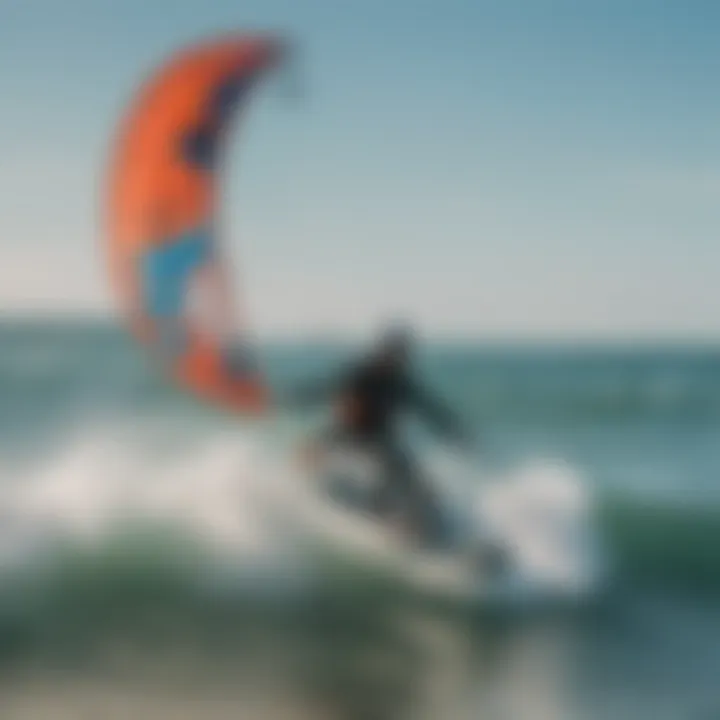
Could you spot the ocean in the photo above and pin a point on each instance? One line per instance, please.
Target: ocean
(140, 577)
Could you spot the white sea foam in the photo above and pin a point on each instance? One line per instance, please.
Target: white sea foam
(241, 497)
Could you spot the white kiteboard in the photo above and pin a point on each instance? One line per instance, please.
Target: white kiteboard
(527, 535)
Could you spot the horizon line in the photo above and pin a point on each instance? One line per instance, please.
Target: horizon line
(309, 336)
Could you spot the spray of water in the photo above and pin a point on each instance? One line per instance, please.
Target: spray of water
(246, 503)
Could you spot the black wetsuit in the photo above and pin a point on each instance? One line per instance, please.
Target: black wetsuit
(371, 398)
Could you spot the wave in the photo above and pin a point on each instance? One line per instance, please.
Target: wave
(668, 547)
(146, 511)
(159, 493)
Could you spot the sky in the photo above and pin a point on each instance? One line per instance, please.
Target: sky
(545, 168)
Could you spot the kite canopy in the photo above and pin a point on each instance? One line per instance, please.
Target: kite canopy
(165, 260)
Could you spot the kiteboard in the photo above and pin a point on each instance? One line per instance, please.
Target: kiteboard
(529, 536)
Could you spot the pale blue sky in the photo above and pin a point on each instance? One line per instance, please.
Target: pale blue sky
(543, 167)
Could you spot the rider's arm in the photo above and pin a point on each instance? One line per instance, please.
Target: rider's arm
(436, 413)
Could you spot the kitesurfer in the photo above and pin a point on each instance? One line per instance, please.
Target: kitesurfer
(369, 401)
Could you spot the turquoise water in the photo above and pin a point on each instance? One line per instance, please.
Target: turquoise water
(81, 408)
